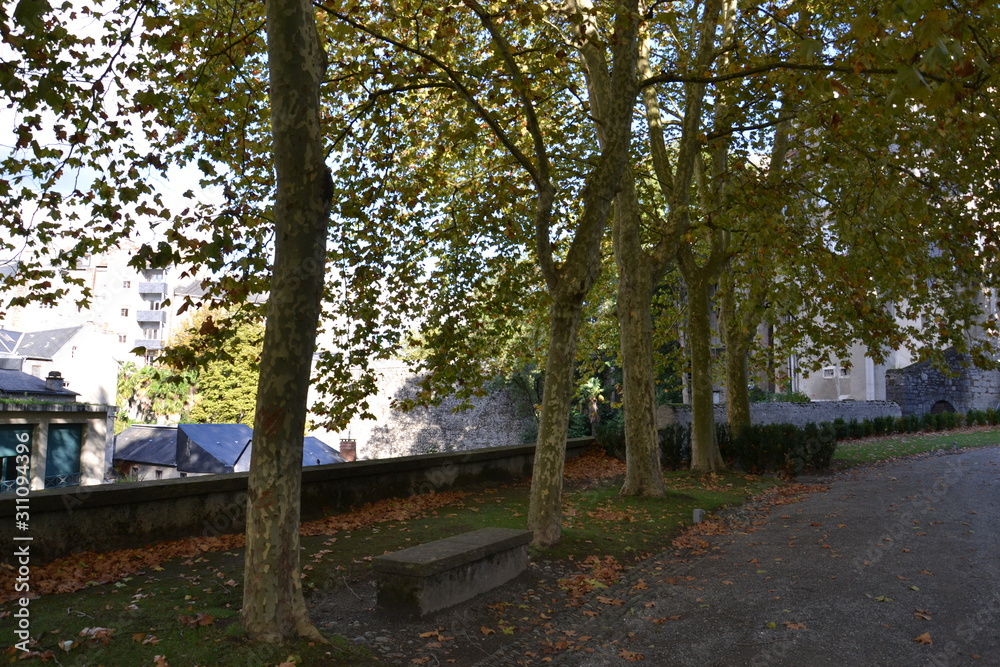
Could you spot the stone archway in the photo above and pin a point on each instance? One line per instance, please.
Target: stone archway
(942, 406)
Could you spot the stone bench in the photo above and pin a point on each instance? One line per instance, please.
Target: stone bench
(432, 576)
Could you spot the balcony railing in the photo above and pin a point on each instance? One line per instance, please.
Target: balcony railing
(157, 316)
(149, 343)
(157, 289)
(55, 481)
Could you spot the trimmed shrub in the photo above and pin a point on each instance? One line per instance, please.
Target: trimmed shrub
(675, 446)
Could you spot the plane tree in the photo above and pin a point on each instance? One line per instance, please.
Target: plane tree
(780, 81)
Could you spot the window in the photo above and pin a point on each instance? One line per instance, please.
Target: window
(126, 284)
(122, 338)
(36, 370)
(124, 312)
(72, 352)
(159, 474)
(151, 334)
(828, 372)
(845, 372)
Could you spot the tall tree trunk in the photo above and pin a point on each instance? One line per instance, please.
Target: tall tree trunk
(736, 341)
(636, 281)
(737, 395)
(612, 98)
(705, 456)
(545, 508)
(273, 605)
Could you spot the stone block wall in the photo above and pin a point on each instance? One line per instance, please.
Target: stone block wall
(502, 418)
(922, 388)
(798, 414)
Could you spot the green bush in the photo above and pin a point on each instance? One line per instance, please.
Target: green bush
(610, 434)
(780, 447)
(675, 446)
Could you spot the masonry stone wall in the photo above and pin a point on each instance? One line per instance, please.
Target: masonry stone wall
(798, 414)
(502, 418)
(922, 388)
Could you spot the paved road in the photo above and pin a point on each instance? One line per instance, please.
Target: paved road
(849, 576)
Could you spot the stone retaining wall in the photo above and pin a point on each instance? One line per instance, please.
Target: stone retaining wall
(118, 516)
(798, 414)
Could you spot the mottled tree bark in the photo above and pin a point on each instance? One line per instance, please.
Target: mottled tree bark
(273, 605)
(613, 90)
(638, 275)
(545, 507)
(705, 455)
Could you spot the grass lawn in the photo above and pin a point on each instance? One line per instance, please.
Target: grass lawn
(182, 609)
(880, 449)
(178, 603)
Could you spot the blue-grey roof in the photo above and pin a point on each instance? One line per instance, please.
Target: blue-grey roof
(45, 344)
(211, 448)
(9, 340)
(205, 448)
(316, 452)
(17, 383)
(155, 445)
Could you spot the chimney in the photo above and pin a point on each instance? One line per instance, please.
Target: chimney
(348, 449)
(54, 382)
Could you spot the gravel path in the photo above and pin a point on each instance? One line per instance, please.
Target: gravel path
(892, 564)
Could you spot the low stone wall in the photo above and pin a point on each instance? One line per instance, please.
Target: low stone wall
(120, 516)
(798, 414)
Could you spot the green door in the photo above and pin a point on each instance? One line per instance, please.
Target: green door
(62, 457)
(11, 435)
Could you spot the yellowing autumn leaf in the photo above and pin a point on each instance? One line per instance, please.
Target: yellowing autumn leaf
(486, 631)
(631, 656)
(924, 638)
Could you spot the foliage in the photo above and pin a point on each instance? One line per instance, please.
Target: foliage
(227, 384)
(152, 393)
(758, 395)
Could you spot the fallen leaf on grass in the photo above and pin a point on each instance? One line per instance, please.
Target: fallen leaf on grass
(196, 620)
(924, 639)
(67, 645)
(160, 661)
(102, 635)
